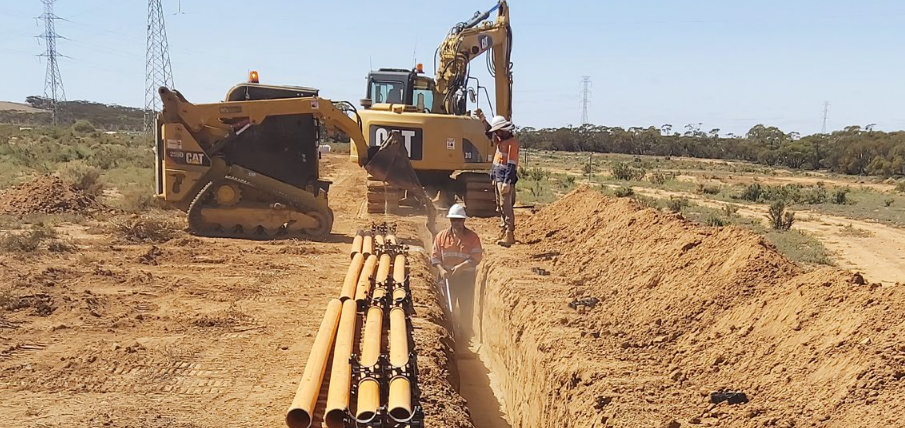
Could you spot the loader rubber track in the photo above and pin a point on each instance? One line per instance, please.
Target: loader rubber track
(205, 198)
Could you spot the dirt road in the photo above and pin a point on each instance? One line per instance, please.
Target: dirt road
(876, 250)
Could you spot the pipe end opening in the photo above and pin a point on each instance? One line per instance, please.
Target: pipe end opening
(298, 418)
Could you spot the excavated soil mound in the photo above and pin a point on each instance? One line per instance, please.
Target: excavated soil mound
(45, 195)
(612, 314)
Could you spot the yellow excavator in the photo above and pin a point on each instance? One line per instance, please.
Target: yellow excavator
(447, 146)
(248, 167)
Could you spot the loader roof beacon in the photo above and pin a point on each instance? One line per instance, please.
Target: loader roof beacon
(447, 146)
(248, 167)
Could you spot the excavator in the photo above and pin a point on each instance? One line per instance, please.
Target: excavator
(447, 146)
(248, 167)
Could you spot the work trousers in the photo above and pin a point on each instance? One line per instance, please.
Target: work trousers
(461, 290)
(504, 204)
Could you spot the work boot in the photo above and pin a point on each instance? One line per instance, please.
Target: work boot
(501, 235)
(509, 240)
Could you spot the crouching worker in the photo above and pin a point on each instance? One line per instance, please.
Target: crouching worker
(457, 251)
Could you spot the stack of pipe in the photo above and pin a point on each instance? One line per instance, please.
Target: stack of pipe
(374, 295)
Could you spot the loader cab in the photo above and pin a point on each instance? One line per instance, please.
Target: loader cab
(399, 86)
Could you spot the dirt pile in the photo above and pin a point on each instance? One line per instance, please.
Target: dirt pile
(45, 195)
(664, 312)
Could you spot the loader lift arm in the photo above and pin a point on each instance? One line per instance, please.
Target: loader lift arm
(210, 124)
(465, 42)
(224, 198)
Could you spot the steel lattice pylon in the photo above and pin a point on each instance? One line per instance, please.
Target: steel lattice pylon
(157, 68)
(53, 82)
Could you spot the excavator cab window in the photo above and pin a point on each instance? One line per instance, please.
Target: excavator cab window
(388, 92)
(424, 94)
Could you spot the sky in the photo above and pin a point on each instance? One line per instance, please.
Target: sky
(726, 64)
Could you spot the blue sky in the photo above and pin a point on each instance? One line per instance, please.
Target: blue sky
(725, 64)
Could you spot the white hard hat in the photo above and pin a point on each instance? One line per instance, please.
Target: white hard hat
(500, 122)
(456, 211)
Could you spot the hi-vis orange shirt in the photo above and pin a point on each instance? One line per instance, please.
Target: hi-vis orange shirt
(450, 250)
(505, 161)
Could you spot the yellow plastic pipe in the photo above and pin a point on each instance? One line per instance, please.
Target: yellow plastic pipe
(383, 268)
(399, 276)
(379, 240)
(300, 413)
(341, 372)
(364, 279)
(357, 242)
(400, 399)
(351, 280)
(367, 244)
(369, 388)
(391, 239)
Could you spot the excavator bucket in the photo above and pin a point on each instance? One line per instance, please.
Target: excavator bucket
(391, 164)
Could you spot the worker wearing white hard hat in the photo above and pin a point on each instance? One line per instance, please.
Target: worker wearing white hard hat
(456, 253)
(504, 172)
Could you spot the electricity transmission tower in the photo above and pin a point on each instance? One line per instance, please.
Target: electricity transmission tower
(53, 82)
(826, 109)
(585, 98)
(158, 71)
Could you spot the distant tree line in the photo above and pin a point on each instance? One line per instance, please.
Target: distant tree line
(853, 150)
(109, 117)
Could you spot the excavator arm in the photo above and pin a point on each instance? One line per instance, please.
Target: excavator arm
(465, 42)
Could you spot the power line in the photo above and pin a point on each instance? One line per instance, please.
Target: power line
(53, 82)
(158, 71)
(585, 98)
(826, 109)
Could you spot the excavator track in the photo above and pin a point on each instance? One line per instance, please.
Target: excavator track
(253, 199)
(478, 194)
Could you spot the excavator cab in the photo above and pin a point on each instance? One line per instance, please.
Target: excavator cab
(401, 87)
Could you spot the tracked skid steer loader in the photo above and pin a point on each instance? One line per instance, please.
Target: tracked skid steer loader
(248, 167)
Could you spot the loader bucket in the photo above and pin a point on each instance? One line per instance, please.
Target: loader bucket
(391, 164)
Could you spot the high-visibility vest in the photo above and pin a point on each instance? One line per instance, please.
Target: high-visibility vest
(507, 152)
(450, 250)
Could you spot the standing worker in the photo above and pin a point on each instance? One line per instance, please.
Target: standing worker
(504, 172)
(457, 251)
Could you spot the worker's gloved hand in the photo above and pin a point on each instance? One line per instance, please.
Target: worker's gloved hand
(504, 188)
(479, 113)
(443, 272)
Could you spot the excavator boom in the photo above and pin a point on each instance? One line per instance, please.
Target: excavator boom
(465, 42)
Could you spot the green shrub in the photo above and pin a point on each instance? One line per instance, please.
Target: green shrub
(780, 219)
(708, 189)
(534, 174)
(752, 192)
(624, 192)
(144, 229)
(658, 178)
(82, 176)
(715, 221)
(136, 198)
(840, 197)
(28, 241)
(888, 202)
(626, 172)
(83, 127)
(900, 186)
(730, 210)
(815, 196)
(677, 204)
